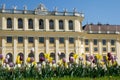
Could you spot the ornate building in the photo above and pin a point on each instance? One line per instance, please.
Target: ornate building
(35, 33)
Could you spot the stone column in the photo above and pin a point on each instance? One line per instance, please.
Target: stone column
(100, 46)
(56, 25)
(25, 24)
(57, 48)
(46, 24)
(66, 25)
(14, 49)
(76, 25)
(25, 49)
(4, 23)
(36, 24)
(118, 51)
(47, 44)
(67, 49)
(108, 46)
(15, 22)
(3, 46)
(36, 50)
(76, 45)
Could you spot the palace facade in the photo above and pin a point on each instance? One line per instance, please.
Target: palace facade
(33, 33)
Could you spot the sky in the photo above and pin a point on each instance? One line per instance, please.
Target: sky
(102, 11)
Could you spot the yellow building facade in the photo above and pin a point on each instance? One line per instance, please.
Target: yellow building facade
(39, 32)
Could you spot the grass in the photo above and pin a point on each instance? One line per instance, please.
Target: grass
(77, 78)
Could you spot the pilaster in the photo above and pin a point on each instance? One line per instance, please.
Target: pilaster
(56, 25)
(25, 49)
(57, 48)
(46, 24)
(25, 24)
(36, 24)
(15, 22)
(36, 50)
(14, 49)
(47, 44)
(66, 25)
(4, 22)
(67, 49)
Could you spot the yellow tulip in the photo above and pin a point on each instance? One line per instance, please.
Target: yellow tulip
(34, 63)
(28, 59)
(66, 65)
(114, 63)
(60, 62)
(47, 55)
(99, 57)
(75, 56)
(50, 59)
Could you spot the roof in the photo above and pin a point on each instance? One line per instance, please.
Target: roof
(102, 28)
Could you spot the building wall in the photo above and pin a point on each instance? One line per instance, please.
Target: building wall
(78, 46)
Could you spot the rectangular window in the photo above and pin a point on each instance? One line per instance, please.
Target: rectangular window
(103, 42)
(20, 39)
(86, 41)
(95, 41)
(9, 39)
(41, 39)
(104, 49)
(61, 40)
(71, 40)
(51, 40)
(87, 49)
(30, 39)
(112, 42)
(113, 49)
(95, 49)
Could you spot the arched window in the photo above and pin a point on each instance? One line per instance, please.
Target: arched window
(70, 25)
(62, 55)
(30, 24)
(20, 23)
(9, 57)
(31, 54)
(9, 23)
(70, 55)
(52, 55)
(51, 24)
(41, 55)
(21, 56)
(61, 24)
(41, 24)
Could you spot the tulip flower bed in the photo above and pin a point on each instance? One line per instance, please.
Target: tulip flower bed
(47, 68)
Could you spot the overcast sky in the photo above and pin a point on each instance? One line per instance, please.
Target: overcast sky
(103, 11)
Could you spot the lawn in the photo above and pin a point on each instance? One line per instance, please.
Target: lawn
(77, 78)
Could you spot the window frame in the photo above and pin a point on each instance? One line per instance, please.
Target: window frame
(30, 23)
(95, 41)
(71, 40)
(61, 40)
(9, 39)
(61, 25)
(30, 39)
(86, 41)
(51, 24)
(9, 23)
(71, 25)
(41, 24)
(41, 39)
(20, 23)
(19, 40)
(51, 40)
